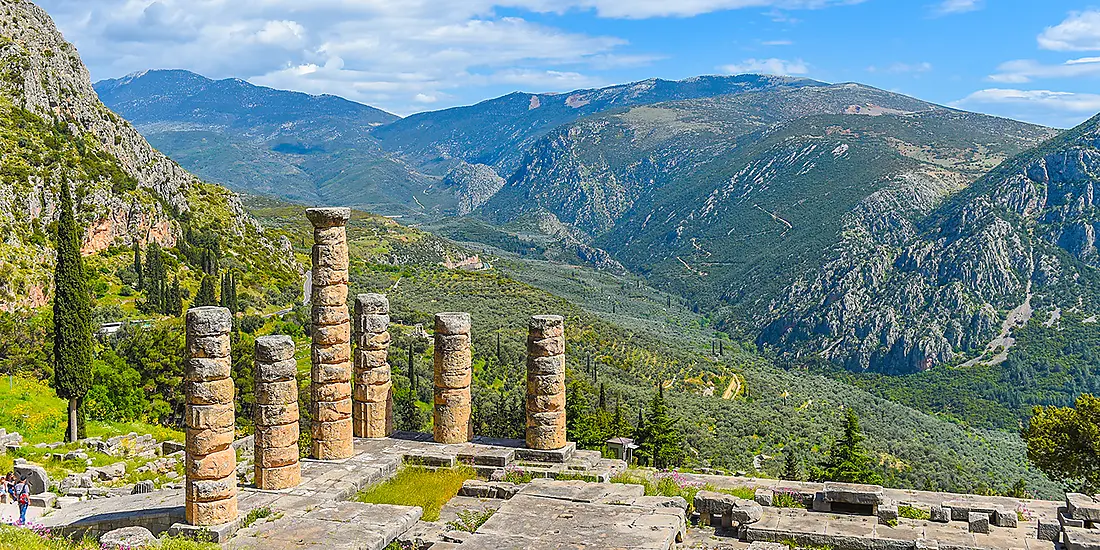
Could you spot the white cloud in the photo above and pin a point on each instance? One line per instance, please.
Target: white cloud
(772, 65)
(777, 43)
(1059, 109)
(948, 7)
(1026, 70)
(391, 53)
(1079, 32)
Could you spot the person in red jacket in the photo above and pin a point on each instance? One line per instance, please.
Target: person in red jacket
(23, 497)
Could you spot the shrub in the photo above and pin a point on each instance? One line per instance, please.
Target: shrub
(912, 512)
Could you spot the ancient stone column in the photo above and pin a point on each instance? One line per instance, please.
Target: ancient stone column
(330, 406)
(546, 382)
(453, 375)
(372, 403)
(210, 462)
(276, 414)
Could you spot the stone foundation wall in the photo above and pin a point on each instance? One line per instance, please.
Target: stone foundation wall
(453, 375)
(211, 463)
(276, 414)
(330, 406)
(372, 404)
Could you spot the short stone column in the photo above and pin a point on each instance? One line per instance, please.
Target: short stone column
(276, 414)
(210, 463)
(453, 375)
(546, 383)
(330, 406)
(372, 403)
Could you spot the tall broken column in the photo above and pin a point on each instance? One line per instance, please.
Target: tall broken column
(276, 414)
(210, 462)
(453, 375)
(330, 406)
(372, 406)
(546, 382)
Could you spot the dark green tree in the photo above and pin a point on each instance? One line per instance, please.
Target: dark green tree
(72, 316)
(659, 443)
(155, 278)
(791, 469)
(174, 300)
(1064, 442)
(847, 460)
(229, 292)
(207, 295)
(137, 264)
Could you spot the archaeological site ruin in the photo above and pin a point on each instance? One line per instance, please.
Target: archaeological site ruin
(566, 498)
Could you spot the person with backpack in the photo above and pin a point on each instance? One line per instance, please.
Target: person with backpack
(9, 487)
(23, 497)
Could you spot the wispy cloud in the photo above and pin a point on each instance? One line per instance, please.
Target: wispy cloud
(948, 7)
(777, 43)
(773, 66)
(1079, 32)
(1026, 70)
(1060, 109)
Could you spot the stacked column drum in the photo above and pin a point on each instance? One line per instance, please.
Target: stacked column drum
(453, 375)
(372, 406)
(546, 383)
(276, 414)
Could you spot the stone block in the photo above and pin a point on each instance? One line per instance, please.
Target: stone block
(545, 383)
(337, 391)
(198, 369)
(1005, 518)
(275, 479)
(277, 393)
(458, 376)
(328, 217)
(212, 466)
(208, 346)
(1079, 538)
(331, 431)
(276, 436)
(366, 323)
(940, 514)
(737, 510)
(887, 514)
(211, 513)
(331, 411)
(1082, 507)
(1069, 521)
(213, 392)
(324, 276)
(374, 376)
(546, 437)
(36, 476)
(374, 341)
(204, 442)
(371, 359)
(208, 321)
(209, 490)
(128, 538)
(546, 326)
(546, 402)
(453, 343)
(546, 347)
(372, 304)
(1048, 530)
(273, 349)
(820, 504)
(331, 335)
(978, 522)
(142, 487)
(764, 497)
(451, 323)
(210, 417)
(276, 457)
(335, 449)
(330, 235)
(331, 373)
(276, 415)
(761, 545)
(554, 365)
(853, 493)
(43, 500)
(330, 295)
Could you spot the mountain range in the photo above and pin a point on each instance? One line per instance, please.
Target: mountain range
(829, 221)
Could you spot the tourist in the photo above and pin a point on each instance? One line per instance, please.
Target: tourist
(23, 497)
(9, 487)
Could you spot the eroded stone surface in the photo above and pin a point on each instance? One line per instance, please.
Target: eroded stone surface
(372, 409)
(453, 375)
(275, 444)
(546, 382)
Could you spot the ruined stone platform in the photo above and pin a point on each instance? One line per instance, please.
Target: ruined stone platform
(549, 514)
(336, 525)
(488, 455)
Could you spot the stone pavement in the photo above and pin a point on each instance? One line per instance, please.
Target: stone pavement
(335, 525)
(552, 515)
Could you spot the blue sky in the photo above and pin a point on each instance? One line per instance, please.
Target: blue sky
(1032, 60)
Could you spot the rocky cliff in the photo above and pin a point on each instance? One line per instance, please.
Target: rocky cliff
(55, 130)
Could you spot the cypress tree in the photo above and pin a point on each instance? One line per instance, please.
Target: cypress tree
(659, 443)
(206, 295)
(175, 299)
(229, 292)
(72, 311)
(137, 264)
(155, 278)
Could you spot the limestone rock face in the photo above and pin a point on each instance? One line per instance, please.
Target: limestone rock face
(372, 404)
(210, 462)
(276, 438)
(453, 374)
(331, 374)
(546, 383)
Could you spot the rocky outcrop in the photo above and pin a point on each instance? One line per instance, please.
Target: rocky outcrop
(910, 287)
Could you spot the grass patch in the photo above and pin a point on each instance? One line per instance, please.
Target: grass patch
(470, 520)
(419, 486)
(28, 539)
(912, 512)
(254, 515)
(787, 499)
